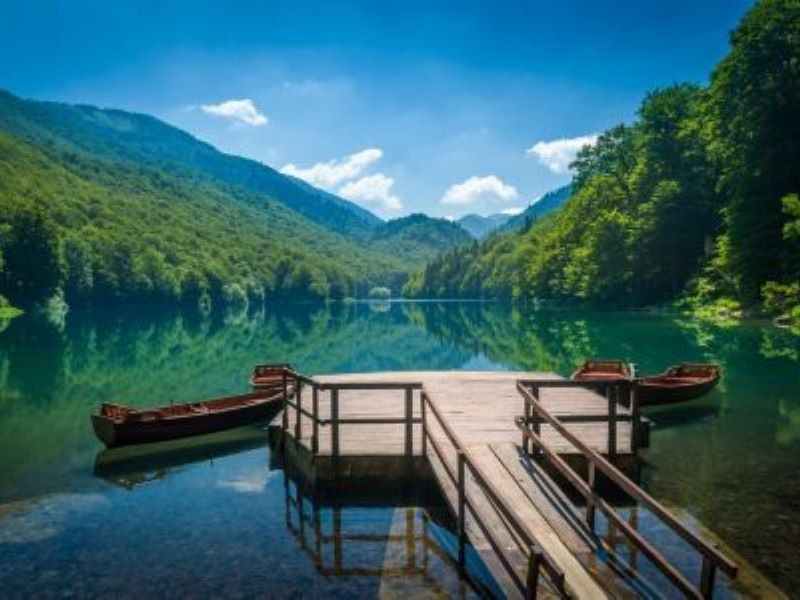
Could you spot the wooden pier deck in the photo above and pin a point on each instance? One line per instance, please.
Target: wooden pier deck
(485, 439)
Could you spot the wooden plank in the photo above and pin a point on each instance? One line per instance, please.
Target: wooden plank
(578, 582)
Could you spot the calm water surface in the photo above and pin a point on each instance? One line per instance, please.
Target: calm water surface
(223, 517)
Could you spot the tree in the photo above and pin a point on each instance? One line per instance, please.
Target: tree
(32, 271)
(755, 137)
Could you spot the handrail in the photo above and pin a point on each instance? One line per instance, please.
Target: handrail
(369, 385)
(712, 556)
(538, 555)
(289, 373)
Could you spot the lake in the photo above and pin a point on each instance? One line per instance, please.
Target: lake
(228, 519)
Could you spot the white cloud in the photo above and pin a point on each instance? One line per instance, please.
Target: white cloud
(333, 172)
(475, 189)
(375, 190)
(242, 111)
(512, 210)
(556, 155)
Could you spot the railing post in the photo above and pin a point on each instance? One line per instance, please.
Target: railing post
(532, 580)
(315, 420)
(409, 424)
(535, 415)
(526, 415)
(612, 419)
(462, 505)
(424, 414)
(335, 422)
(707, 578)
(285, 416)
(298, 399)
(590, 506)
(636, 416)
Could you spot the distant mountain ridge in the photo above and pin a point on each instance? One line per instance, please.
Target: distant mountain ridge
(480, 226)
(544, 205)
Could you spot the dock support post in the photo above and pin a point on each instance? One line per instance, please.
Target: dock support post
(298, 399)
(707, 578)
(285, 416)
(335, 422)
(424, 414)
(611, 393)
(462, 505)
(337, 541)
(532, 580)
(409, 424)
(315, 421)
(636, 415)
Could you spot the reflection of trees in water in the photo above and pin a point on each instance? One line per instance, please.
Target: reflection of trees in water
(555, 340)
(51, 380)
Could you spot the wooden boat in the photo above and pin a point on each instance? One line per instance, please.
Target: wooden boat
(269, 376)
(119, 425)
(603, 369)
(680, 383)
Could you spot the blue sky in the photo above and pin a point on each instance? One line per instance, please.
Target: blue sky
(437, 107)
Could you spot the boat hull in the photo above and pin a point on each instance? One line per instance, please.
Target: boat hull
(652, 394)
(114, 433)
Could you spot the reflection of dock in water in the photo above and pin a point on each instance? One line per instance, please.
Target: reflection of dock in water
(404, 548)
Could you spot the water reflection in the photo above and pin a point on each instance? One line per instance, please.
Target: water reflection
(408, 550)
(136, 465)
(712, 456)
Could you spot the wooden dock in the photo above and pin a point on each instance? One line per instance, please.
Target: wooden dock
(492, 442)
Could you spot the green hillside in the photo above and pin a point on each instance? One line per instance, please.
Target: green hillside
(698, 198)
(142, 140)
(107, 228)
(417, 239)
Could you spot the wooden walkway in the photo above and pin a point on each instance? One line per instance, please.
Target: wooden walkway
(485, 437)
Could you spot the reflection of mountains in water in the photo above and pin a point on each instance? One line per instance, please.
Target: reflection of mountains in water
(135, 465)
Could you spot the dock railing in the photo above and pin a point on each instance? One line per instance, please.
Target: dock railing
(536, 414)
(617, 392)
(293, 399)
(538, 557)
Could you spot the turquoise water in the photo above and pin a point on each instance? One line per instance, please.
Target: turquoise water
(219, 518)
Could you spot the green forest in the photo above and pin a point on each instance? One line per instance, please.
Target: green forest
(695, 202)
(106, 208)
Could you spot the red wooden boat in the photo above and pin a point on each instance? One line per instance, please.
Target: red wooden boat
(603, 369)
(269, 376)
(118, 425)
(680, 383)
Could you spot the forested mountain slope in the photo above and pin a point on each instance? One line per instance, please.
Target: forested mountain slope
(143, 140)
(536, 210)
(101, 209)
(417, 239)
(697, 198)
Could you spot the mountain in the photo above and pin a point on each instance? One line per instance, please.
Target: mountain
(479, 226)
(107, 207)
(142, 140)
(418, 238)
(544, 205)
